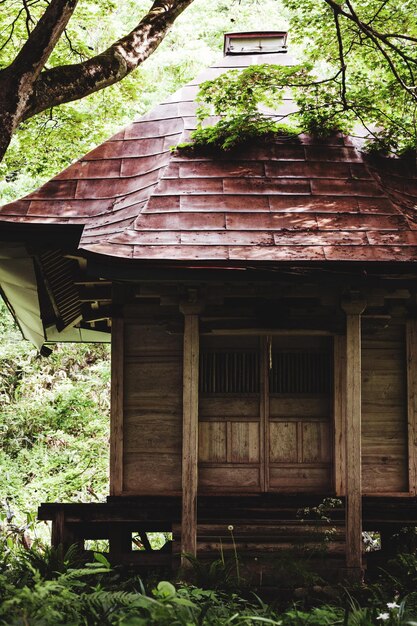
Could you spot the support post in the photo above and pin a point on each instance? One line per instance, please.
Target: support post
(339, 408)
(116, 410)
(412, 404)
(58, 529)
(190, 310)
(353, 476)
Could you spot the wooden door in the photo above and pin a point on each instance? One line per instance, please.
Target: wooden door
(231, 428)
(298, 429)
(265, 417)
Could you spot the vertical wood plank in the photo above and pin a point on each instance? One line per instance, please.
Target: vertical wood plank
(339, 414)
(229, 442)
(411, 340)
(116, 409)
(299, 445)
(58, 529)
(265, 435)
(190, 435)
(353, 311)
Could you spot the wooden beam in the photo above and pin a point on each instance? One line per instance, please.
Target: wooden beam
(339, 407)
(116, 409)
(411, 339)
(190, 430)
(353, 310)
(262, 332)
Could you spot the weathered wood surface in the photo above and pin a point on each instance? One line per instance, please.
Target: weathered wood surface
(116, 416)
(271, 506)
(152, 405)
(230, 441)
(411, 339)
(339, 408)
(384, 410)
(190, 435)
(262, 524)
(262, 439)
(353, 438)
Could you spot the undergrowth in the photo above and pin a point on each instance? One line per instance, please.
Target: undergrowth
(54, 428)
(53, 588)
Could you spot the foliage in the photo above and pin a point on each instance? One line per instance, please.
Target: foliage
(364, 79)
(248, 102)
(366, 90)
(94, 594)
(400, 573)
(368, 49)
(239, 130)
(236, 96)
(54, 421)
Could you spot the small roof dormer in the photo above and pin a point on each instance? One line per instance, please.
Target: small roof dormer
(268, 42)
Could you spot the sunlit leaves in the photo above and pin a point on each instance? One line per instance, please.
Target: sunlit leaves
(376, 55)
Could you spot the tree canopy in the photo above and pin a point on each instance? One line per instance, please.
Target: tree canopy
(369, 48)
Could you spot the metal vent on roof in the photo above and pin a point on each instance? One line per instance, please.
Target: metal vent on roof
(255, 43)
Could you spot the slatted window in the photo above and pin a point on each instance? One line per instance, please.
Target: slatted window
(301, 372)
(229, 372)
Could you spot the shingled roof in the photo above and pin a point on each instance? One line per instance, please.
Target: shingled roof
(291, 200)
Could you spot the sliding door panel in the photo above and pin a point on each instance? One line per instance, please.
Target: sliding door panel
(299, 419)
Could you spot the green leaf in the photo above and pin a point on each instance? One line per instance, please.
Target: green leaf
(165, 589)
(102, 559)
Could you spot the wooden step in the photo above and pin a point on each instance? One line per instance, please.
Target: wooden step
(261, 537)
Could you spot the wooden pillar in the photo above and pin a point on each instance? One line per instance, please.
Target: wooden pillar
(339, 408)
(412, 404)
(120, 544)
(353, 476)
(58, 529)
(116, 409)
(190, 429)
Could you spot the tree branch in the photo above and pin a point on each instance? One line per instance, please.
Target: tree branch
(341, 58)
(378, 39)
(29, 19)
(71, 82)
(33, 55)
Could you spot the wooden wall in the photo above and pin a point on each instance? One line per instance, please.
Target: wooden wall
(384, 410)
(246, 441)
(152, 404)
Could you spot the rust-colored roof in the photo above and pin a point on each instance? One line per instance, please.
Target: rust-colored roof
(292, 200)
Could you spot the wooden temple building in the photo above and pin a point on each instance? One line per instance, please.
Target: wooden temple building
(262, 312)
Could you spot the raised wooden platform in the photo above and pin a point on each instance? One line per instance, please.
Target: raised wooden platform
(252, 525)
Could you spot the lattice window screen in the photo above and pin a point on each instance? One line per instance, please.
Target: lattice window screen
(229, 372)
(301, 372)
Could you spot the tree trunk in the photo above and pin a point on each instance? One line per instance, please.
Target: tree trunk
(9, 105)
(27, 88)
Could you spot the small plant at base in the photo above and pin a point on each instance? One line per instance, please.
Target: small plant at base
(230, 529)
